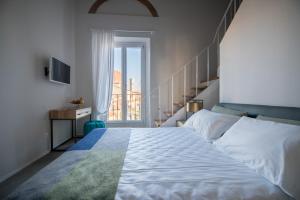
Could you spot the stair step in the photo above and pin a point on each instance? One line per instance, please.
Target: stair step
(211, 79)
(168, 114)
(178, 104)
(158, 123)
(200, 88)
(189, 96)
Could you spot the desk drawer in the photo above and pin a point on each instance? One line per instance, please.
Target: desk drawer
(69, 113)
(83, 112)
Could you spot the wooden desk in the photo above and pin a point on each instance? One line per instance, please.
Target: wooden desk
(67, 114)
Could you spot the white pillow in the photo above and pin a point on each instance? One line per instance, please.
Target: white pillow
(211, 125)
(271, 149)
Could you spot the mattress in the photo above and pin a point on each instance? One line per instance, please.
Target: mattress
(176, 163)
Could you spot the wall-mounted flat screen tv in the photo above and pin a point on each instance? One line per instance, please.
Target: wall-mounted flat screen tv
(59, 72)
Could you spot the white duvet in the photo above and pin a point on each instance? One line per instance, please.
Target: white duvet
(176, 163)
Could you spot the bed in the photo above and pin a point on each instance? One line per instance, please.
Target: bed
(146, 163)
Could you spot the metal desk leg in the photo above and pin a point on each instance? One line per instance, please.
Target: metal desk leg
(51, 133)
(75, 128)
(72, 129)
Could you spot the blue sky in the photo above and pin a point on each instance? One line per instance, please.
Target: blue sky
(133, 64)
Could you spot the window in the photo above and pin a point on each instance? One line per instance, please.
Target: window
(127, 104)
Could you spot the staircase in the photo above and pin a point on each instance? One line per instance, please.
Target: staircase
(191, 79)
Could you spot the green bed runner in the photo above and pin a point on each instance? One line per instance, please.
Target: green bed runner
(80, 174)
(95, 177)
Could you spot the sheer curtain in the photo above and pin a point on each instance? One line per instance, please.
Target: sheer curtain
(102, 55)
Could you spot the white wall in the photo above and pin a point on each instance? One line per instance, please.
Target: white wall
(30, 32)
(181, 31)
(260, 62)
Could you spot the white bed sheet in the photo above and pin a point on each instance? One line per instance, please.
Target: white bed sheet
(176, 163)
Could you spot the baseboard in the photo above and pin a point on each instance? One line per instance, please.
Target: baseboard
(4, 178)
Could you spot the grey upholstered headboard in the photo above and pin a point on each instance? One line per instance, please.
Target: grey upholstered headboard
(271, 111)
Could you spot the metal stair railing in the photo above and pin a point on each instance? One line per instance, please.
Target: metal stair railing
(196, 73)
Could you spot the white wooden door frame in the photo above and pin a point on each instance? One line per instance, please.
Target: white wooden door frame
(124, 122)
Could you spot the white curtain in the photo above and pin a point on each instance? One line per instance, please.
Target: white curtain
(102, 53)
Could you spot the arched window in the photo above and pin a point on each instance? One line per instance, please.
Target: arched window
(146, 3)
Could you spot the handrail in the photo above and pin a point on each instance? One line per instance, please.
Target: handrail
(233, 4)
(223, 18)
(205, 48)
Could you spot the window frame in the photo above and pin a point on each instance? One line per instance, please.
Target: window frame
(124, 122)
